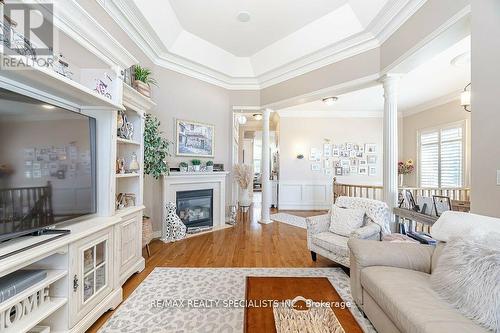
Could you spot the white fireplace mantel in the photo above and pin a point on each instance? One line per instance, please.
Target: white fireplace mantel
(192, 181)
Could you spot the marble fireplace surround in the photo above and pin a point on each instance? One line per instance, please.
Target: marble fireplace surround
(192, 181)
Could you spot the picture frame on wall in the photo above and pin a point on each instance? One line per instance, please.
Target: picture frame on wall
(327, 150)
(335, 152)
(370, 148)
(363, 163)
(371, 159)
(315, 166)
(372, 171)
(363, 170)
(353, 170)
(338, 171)
(195, 139)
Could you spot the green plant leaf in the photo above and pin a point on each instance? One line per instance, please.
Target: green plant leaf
(156, 149)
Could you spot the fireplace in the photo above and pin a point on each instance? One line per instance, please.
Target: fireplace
(196, 208)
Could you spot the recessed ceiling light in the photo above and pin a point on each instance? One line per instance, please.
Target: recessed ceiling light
(257, 116)
(330, 100)
(243, 17)
(48, 106)
(462, 60)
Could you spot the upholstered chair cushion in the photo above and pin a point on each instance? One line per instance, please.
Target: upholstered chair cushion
(345, 221)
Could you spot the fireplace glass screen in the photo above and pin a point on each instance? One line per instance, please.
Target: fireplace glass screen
(195, 208)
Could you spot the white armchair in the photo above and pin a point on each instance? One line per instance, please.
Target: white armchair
(334, 247)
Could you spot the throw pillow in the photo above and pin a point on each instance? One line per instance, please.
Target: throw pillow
(468, 277)
(344, 220)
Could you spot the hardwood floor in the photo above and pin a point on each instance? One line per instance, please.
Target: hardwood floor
(248, 244)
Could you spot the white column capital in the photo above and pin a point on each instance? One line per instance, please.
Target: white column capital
(390, 77)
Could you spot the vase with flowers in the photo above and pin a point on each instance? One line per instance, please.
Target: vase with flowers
(243, 175)
(405, 168)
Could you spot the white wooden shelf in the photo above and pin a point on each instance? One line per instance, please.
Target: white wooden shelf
(127, 142)
(27, 323)
(135, 100)
(129, 210)
(127, 175)
(52, 276)
(51, 83)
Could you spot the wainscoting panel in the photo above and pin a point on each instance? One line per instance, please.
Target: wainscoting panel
(305, 196)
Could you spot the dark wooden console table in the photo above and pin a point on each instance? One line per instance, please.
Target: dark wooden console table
(415, 218)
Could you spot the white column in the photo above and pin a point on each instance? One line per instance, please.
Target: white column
(390, 192)
(266, 183)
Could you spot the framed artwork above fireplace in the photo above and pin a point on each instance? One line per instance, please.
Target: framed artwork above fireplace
(195, 139)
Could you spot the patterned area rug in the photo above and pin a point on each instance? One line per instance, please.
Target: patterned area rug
(185, 299)
(296, 221)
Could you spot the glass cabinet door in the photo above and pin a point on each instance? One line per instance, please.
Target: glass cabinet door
(94, 270)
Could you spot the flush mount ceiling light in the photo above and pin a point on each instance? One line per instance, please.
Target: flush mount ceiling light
(257, 116)
(243, 17)
(465, 98)
(462, 60)
(330, 100)
(48, 106)
(242, 120)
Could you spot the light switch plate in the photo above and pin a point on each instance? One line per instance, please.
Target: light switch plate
(498, 177)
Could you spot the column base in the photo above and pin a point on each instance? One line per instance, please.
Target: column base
(261, 221)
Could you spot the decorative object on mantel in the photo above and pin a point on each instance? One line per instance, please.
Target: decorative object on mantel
(210, 166)
(156, 149)
(173, 228)
(218, 167)
(102, 86)
(125, 129)
(405, 168)
(143, 80)
(195, 139)
(183, 166)
(243, 175)
(196, 165)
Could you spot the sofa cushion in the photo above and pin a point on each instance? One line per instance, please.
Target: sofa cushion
(408, 300)
(345, 221)
(332, 243)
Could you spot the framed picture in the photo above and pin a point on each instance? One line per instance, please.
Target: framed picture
(338, 171)
(328, 172)
(315, 166)
(353, 170)
(327, 150)
(371, 159)
(411, 201)
(370, 148)
(363, 170)
(372, 171)
(336, 152)
(359, 154)
(345, 163)
(195, 139)
(362, 163)
(441, 204)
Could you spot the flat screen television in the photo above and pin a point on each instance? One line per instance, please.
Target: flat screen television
(47, 165)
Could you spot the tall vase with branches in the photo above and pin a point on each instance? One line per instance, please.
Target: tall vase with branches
(156, 149)
(243, 175)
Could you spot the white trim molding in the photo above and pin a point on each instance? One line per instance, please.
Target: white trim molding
(131, 20)
(305, 195)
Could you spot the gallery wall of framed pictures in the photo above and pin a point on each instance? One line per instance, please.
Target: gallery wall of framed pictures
(345, 159)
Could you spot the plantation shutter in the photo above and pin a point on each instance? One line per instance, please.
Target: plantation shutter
(441, 157)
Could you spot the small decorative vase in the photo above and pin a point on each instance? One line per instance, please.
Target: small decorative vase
(245, 200)
(401, 180)
(196, 168)
(184, 169)
(134, 164)
(210, 168)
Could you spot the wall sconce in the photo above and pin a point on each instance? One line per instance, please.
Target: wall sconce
(300, 156)
(465, 98)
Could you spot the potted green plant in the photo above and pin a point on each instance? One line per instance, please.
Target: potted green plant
(210, 166)
(183, 166)
(143, 80)
(156, 148)
(196, 165)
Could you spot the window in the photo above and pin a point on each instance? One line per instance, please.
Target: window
(441, 156)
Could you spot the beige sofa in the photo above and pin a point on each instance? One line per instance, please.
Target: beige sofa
(390, 283)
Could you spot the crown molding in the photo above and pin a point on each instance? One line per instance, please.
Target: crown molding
(70, 18)
(130, 19)
(331, 114)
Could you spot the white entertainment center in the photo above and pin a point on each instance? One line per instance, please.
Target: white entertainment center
(87, 267)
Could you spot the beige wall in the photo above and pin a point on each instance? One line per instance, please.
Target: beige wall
(298, 135)
(485, 107)
(440, 115)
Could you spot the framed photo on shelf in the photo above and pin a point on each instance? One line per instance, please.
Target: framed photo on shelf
(441, 204)
(195, 139)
